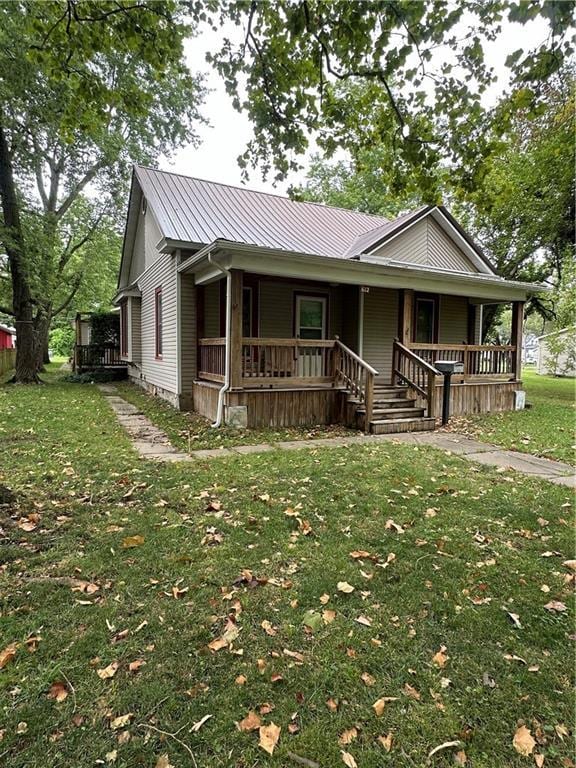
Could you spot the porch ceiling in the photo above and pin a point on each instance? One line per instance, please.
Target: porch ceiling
(271, 262)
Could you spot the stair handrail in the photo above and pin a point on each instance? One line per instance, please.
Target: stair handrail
(364, 391)
(429, 392)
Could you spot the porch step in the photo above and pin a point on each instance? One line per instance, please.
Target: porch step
(397, 413)
(390, 391)
(394, 407)
(388, 426)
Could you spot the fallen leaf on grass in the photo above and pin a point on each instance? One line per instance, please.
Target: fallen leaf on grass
(444, 745)
(561, 731)
(391, 525)
(107, 672)
(555, 606)
(269, 735)
(386, 741)
(250, 723)
(132, 541)
(164, 762)
(539, 760)
(364, 620)
(268, 628)
(343, 586)
(460, 758)
(121, 721)
(22, 727)
(348, 760)
(380, 704)
(196, 727)
(135, 666)
(367, 679)
(411, 692)
(328, 616)
(8, 654)
(348, 736)
(241, 680)
(440, 658)
(293, 655)
(332, 704)
(571, 564)
(515, 618)
(523, 741)
(58, 691)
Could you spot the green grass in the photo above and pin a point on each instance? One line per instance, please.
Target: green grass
(476, 545)
(189, 431)
(546, 429)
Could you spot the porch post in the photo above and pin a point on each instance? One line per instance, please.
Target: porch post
(406, 316)
(236, 329)
(516, 337)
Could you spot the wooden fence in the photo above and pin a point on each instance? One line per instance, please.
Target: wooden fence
(7, 360)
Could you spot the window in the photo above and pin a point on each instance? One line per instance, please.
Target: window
(158, 322)
(425, 326)
(124, 328)
(311, 317)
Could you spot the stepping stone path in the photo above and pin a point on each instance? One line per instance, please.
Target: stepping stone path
(152, 443)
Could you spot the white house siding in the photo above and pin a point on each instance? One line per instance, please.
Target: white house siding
(453, 320)
(135, 332)
(160, 375)
(557, 353)
(144, 253)
(427, 244)
(380, 328)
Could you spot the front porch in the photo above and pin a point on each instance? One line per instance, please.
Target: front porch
(354, 355)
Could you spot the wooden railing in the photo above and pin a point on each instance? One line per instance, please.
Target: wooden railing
(303, 361)
(7, 360)
(212, 359)
(478, 359)
(409, 368)
(97, 356)
(357, 377)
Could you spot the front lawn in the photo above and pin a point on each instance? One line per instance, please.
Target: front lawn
(546, 429)
(191, 432)
(146, 609)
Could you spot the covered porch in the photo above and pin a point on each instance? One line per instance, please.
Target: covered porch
(290, 351)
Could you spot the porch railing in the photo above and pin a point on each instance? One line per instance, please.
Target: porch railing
(409, 368)
(97, 356)
(357, 376)
(478, 359)
(212, 359)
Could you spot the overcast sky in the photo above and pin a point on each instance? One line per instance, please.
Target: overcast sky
(229, 132)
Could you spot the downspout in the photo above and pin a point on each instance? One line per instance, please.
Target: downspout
(226, 386)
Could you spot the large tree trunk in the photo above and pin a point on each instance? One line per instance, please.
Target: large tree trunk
(26, 368)
(42, 324)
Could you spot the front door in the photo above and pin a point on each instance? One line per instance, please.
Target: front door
(310, 325)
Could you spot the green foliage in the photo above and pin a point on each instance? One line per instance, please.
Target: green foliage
(104, 328)
(423, 64)
(62, 340)
(94, 377)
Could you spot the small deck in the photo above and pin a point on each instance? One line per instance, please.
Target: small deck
(97, 357)
(284, 382)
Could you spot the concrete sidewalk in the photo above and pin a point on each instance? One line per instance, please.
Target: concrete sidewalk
(152, 443)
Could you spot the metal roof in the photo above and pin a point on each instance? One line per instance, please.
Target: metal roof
(198, 211)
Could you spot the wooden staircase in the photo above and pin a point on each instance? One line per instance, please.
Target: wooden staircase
(393, 410)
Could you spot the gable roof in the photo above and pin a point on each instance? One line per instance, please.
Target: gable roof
(199, 212)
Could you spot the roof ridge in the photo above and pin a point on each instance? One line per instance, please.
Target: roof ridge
(382, 219)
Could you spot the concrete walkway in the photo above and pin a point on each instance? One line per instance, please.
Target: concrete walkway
(152, 443)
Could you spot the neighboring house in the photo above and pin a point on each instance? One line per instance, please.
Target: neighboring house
(530, 349)
(7, 337)
(557, 353)
(251, 308)
(88, 356)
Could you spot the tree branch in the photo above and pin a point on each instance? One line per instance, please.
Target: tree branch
(77, 188)
(73, 292)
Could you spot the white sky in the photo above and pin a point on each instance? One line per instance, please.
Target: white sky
(229, 132)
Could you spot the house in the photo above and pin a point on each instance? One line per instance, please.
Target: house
(254, 309)
(102, 355)
(557, 353)
(7, 337)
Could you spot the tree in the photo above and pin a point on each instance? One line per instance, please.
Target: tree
(423, 65)
(85, 88)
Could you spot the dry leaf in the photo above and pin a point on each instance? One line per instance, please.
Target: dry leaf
(348, 736)
(134, 666)
(108, 672)
(58, 691)
(539, 760)
(164, 762)
(555, 606)
(523, 741)
(324, 598)
(411, 692)
(250, 723)
(571, 564)
(460, 758)
(293, 655)
(269, 735)
(367, 678)
(121, 721)
(332, 704)
(22, 727)
(348, 760)
(196, 727)
(386, 741)
(343, 586)
(515, 619)
(241, 680)
(440, 657)
(132, 541)
(328, 616)
(8, 654)
(364, 620)
(268, 628)
(380, 704)
(391, 525)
